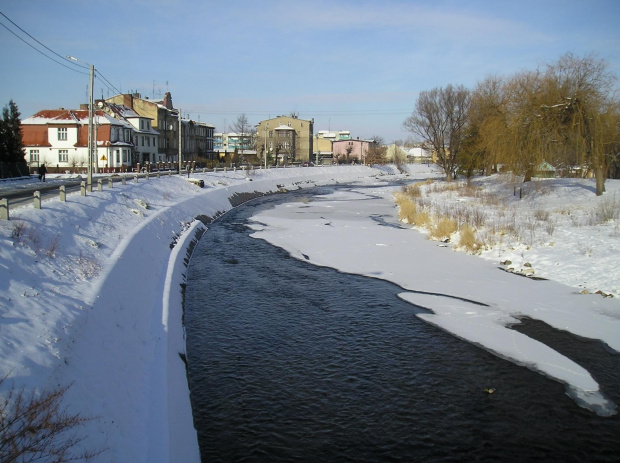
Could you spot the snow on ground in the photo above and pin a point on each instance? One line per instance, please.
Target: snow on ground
(470, 297)
(91, 289)
(91, 298)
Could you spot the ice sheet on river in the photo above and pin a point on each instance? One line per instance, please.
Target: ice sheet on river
(468, 296)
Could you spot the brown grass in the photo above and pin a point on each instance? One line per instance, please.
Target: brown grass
(467, 239)
(443, 228)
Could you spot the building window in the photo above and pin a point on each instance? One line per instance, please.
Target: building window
(34, 155)
(142, 137)
(124, 155)
(148, 141)
(63, 155)
(62, 133)
(118, 157)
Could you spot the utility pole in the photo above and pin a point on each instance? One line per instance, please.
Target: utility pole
(90, 128)
(91, 68)
(180, 143)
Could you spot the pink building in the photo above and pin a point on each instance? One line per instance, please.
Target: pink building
(349, 151)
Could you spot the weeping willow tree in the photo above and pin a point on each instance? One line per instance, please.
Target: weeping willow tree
(587, 111)
(566, 114)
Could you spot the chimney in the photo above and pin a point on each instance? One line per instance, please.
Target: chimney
(168, 100)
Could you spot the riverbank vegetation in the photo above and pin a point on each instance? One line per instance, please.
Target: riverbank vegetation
(551, 225)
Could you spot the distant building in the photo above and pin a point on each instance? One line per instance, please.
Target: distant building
(197, 138)
(350, 151)
(226, 144)
(286, 139)
(418, 154)
(323, 152)
(545, 170)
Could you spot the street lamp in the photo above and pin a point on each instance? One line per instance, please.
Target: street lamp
(89, 182)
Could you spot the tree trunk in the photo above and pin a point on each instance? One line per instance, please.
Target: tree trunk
(527, 176)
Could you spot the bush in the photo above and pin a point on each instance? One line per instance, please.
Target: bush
(413, 191)
(467, 239)
(36, 428)
(444, 228)
(607, 209)
(406, 209)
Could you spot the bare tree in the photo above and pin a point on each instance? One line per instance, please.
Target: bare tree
(245, 131)
(439, 118)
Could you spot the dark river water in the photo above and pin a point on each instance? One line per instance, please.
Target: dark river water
(293, 362)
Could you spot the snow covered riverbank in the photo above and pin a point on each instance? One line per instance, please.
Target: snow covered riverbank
(91, 297)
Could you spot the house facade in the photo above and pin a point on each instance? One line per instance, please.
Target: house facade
(286, 139)
(351, 151)
(145, 138)
(58, 138)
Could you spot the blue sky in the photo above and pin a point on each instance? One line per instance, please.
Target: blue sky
(353, 65)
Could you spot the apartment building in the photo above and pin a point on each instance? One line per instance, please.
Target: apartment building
(285, 139)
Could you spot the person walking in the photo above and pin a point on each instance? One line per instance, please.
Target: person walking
(42, 172)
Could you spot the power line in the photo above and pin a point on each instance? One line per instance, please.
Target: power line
(107, 83)
(36, 49)
(80, 65)
(43, 45)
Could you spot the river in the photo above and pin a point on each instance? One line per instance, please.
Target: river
(293, 362)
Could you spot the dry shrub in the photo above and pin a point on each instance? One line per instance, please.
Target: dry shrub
(444, 227)
(410, 211)
(467, 239)
(52, 245)
(542, 215)
(469, 190)
(407, 210)
(36, 428)
(402, 201)
(607, 209)
(413, 191)
(421, 218)
(19, 230)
